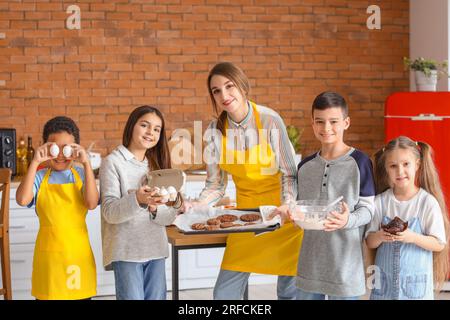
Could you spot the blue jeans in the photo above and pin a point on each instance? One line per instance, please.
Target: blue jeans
(304, 295)
(140, 281)
(230, 285)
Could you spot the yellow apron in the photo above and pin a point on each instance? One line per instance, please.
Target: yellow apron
(63, 263)
(273, 252)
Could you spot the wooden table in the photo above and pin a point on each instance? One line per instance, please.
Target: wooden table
(181, 241)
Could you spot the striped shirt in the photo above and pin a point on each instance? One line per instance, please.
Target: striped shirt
(216, 179)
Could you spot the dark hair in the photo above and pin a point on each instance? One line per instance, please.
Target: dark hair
(158, 157)
(237, 76)
(329, 99)
(427, 177)
(61, 124)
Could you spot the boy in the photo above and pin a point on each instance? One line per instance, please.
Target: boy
(63, 263)
(331, 261)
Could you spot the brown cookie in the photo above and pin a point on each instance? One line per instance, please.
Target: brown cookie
(250, 217)
(212, 227)
(198, 226)
(224, 225)
(213, 222)
(227, 218)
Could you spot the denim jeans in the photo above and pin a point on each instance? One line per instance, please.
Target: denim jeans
(140, 281)
(230, 285)
(304, 295)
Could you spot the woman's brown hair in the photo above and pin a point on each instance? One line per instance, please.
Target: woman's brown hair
(237, 76)
(159, 156)
(427, 178)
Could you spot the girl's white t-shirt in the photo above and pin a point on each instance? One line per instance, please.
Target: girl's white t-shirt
(423, 205)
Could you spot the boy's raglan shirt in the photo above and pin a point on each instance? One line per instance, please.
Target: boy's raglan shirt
(332, 262)
(56, 177)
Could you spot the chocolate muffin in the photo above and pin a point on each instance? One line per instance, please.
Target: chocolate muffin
(395, 226)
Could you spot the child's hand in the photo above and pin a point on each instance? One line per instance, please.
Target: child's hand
(79, 154)
(147, 196)
(384, 236)
(42, 153)
(406, 236)
(336, 220)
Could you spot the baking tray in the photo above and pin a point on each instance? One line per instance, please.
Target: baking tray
(246, 229)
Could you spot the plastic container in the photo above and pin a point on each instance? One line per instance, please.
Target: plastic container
(311, 214)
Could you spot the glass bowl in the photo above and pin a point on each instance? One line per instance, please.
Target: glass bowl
(311, 214)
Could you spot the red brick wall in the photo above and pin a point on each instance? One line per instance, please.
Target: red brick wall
(159, 52)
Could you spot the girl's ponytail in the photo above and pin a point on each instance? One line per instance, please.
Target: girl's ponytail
(428, 179)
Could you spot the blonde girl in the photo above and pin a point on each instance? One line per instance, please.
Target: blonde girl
(411, 262)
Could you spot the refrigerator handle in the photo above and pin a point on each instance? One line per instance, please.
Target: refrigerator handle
(427, 117)
(420, 117)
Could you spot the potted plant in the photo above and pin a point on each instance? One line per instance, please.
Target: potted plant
(294, 135)
(426, 71)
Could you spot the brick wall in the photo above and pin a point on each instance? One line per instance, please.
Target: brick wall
(159, 52)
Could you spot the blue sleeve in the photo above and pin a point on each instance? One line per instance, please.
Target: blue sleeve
(363, 210)
(80, 171)
(367, 183)
(37, 184)
(305, 160)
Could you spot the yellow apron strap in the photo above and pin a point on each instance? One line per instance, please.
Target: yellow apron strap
(77, 178)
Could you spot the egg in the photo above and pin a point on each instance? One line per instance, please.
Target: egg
(67, 151)
(172, 193)
(164, 194)
(54, 150)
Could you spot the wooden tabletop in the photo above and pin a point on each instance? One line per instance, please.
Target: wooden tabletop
(179, 239)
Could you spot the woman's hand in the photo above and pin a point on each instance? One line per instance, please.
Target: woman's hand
(282, 211)
(188, 205)
(336, 220)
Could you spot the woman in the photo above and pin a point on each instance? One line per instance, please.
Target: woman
(250, 142)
